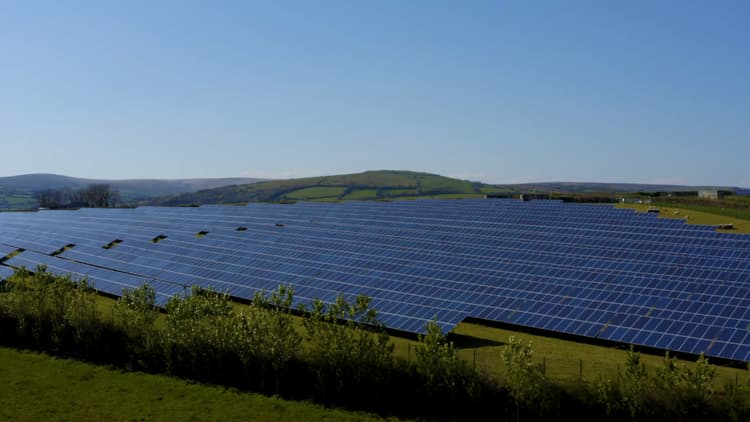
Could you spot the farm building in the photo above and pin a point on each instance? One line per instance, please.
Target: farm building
(711, 194)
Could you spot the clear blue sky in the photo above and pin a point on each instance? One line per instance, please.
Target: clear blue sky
(629, 91)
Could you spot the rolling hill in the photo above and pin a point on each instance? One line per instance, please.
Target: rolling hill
(391, 184)
(18, 192)
(379, 184)
(597, 187)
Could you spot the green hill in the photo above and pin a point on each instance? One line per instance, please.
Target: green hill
(380, 184)
(19, 192)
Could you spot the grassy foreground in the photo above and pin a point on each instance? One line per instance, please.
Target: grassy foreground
(36, 387)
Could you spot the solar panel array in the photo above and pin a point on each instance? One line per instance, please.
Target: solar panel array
(587, 270)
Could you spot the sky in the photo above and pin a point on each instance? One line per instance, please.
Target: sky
(500, 92)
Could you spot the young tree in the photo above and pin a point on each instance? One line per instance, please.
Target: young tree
(437, 361)
(634, 384)
(523, 378)
(347, 344)
(198, 336)
(135, 313)
(265, 332)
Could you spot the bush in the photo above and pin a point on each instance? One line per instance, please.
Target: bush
(135, 313)
(349, 350)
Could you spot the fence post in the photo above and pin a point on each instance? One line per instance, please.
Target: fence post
(617, 383)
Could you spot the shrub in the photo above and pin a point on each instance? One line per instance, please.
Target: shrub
(349, 349)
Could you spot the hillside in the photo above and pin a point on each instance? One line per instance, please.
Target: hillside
(380, 184)
(594, 187)
(18, 192)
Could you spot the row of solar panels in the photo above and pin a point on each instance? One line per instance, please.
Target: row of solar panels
(101, 279)
(489, 238)
(459, 227)
(587, 218)
(587, 223)
(684, 299)
(678, 262)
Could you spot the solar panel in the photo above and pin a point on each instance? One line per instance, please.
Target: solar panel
(593, 271)
(101, 279)
(5, 272)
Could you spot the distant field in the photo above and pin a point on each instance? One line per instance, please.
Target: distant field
(17, 201)
(399, 192)
(316, 192)
(375, 178)
(36, 387)
(695, 217)
(358, 194)
(362, 185)
(437, 183)
(493, 189)
(734, 210)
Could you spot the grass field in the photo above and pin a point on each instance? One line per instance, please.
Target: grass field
(35, 387)
(359, 194)
(562, 359)
(718, 209)
(437, 183)
(494, 189)
(376, 178)
(316, 192)
(399, 192)
(695, 217)
(17, 201)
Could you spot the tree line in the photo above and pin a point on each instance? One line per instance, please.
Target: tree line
(340, 354)
(92, 196)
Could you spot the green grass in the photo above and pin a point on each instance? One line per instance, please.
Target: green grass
(694, 217)
(359, 194)
(437, 183)
(399, 192)
(726, 211)
(332, 186)
(494, 189)
(376, 178)
(35, 387)
(316, 192)
(563, 359)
